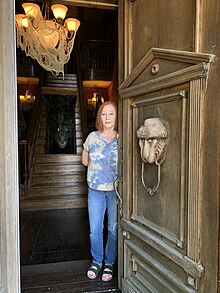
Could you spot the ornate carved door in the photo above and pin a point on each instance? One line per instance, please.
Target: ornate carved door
(161, 110)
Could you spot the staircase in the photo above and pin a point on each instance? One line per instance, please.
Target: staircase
(56, 181)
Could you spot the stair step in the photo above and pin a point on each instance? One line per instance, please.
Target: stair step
(77, 115)
(42, 133)
(58, 168)
(46, 180)
(55, 202)
(79, 134)
(40, 140)
(79, 142)
(64, 189)
(39, 149)
(78, 127)
(79, 149)
(78, 121)
(59, 158)
(58, 180)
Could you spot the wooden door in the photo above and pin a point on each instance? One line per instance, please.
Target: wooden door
(168, 239)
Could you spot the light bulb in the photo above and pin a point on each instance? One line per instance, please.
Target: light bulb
(59, 11)
(31, 10)
(72, 24)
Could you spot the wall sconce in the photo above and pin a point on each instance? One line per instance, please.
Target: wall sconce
(95, 102)
(27, 101)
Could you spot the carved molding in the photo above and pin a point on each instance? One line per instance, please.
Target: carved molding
(180, 240)
(194, 180)
(154, 268)
(198, 67)
(190, 266)
(157, 229)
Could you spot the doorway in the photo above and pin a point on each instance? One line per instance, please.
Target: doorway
(57, 239)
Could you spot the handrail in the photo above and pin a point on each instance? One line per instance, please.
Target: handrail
(32, 129)
(97, 54)
(85, 128)
(23, 167)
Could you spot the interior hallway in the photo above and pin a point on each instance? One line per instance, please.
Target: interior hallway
(55, 253)
(54, 236)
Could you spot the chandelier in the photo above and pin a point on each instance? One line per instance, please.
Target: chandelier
(48, 41)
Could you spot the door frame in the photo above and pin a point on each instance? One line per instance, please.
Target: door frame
(9, 189)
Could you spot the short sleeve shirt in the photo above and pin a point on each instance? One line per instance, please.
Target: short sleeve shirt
(103, 157)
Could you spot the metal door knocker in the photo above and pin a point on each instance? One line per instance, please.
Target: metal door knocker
(153, 139)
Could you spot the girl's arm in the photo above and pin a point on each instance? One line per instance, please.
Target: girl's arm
(85, 158)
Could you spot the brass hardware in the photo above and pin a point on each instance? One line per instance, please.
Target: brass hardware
(151, 190)
(155, 69)
(200, 268)
(126, 234)
(118, 179)
(191, 281)
(153, 137)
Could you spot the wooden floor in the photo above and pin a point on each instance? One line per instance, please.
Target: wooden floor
(55, 255)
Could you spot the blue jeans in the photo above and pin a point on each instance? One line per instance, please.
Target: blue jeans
(98, 203)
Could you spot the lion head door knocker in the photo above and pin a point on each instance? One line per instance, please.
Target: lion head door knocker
(153, 139)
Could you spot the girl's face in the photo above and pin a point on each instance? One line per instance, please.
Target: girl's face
(108, 117)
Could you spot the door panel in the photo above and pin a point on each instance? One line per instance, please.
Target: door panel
(174, 113)
(160, 232)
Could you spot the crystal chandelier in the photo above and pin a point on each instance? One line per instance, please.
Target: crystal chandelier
(50, 42)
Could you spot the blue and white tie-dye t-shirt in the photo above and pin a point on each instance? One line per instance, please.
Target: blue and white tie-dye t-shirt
(103, 157)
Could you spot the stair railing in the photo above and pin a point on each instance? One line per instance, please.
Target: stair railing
(27, 149)
(85, 128)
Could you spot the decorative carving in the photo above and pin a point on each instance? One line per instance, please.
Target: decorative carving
(153, 139)
(191, 281)
(126, 234)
